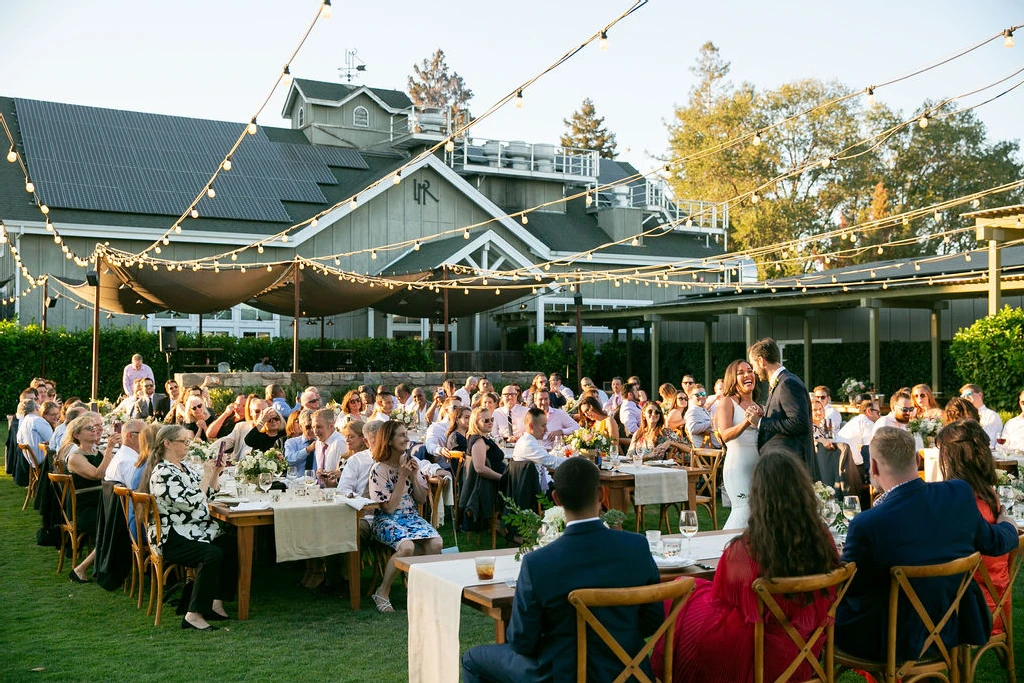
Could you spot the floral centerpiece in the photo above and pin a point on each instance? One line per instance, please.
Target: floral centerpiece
(409, 419)
(926, 428)
(829, 508)
(851, 387)
(584, 440)
(256, 462)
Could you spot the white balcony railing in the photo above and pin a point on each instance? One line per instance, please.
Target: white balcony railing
(654, 195)
(482, 154)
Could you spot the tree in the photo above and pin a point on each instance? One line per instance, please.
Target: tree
(432, 85)
(586, 130)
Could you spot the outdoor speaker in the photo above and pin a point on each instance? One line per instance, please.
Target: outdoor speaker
(93, 278)
(168, 339)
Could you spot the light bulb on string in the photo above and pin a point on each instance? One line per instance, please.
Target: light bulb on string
(756, 140)
(635, 242)
(525, 219)
(259, 248)
(12, 156)
(465, 234)
(880, 250)
(588, 200)
(519, 99)
(284, 238)
(754, 197)
(226, 164)
(923, 121)
(938, 216)
(312, 223)
(194, 213)
(251, 128)
(286, 76)
(826, 162)
(975, 203)
(166, 241)
(44, 209)
(325, 10)
(416, 246)
(157, 249)
(234, 257)
(30, 186)
(397, 178)
(871, 96)
(967, 257)
(1008, 37)
(210, 192)
(449, 145)
(603, 41)
(57, 239)
(590, 256)
(373, 254)
(49, 226)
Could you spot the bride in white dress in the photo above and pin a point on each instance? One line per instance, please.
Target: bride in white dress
(740, 439)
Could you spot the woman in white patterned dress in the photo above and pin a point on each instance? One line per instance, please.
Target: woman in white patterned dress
(740, 439)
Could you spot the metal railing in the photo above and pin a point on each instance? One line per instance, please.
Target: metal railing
(654, 195)
(517, 155)
(421, 121)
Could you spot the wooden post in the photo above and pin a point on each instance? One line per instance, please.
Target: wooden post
(296, 273)
(629, 349)
(100, 265)
(578, 300)
(936, 338)
(655, 356)
(994, 284)
(874, 347)
(42, 351)
(807, 351)
(709, 382)
(447, 338)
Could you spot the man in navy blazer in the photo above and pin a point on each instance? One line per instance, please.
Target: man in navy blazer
(541, 637)
(785, 422)
(914, 523)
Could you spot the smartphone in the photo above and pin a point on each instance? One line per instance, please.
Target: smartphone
(117, 427)
(220, 454)
(441, 393)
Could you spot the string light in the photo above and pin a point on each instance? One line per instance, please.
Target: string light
(754, 197)
(635, 242)
(871, 96)
(449, 146)
(194, 213)
(604, 40)
(416, 245)
(259, 249)
(210, 192)
(923, 121)
(44, 209)
(525, 219)
(12, 156)
(286, 76)
(226, 164)
(398, 177)
(373, 254)
(325, 10)
(251, 128)
(30, 186)
(756, 140)
(465, 234)
(519, 99)
(588, 200)
(1008, 37)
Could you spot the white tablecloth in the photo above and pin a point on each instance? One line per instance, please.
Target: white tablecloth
(435, 606)
(931, 465)
(706, 547)
(305, 530)
(657, 484)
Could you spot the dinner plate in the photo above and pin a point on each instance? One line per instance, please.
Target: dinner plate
(674, 562)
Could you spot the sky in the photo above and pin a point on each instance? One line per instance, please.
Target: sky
(219, 58)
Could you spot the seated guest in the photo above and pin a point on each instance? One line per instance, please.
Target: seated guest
(698, 420)
(489, 401)
(964, 453)
(508, 418)
(369, 396)
(417, 405)
(122, 466)
(925, 404)
(298, 450)
(988, 418)
(330, 448)
(384, 405)
(275, 396)
(198, 418)
(189, 535)
(458, 432)
(70, 412)
(833, 418)
(539, 382)
(559, 422)
(292, 428)
(587, 383)
(667, 392)
(355, 475)
(857, 432)
(913, 523)
(33, 429)
(901, 411)
(225, 422)
(653, 440)
(435, 442)
(1013, 430)
(485, 463)
(629, 410)
(147, 441)
(268, 431)
(50, 412)
(528, 447)
(465, 393)
(959, 409)
(675, 419)
(592, 417)
(541, 636)
(351, 409)
(86, 465)
(641, 395)
(235, 440)
(784, 537)
(396, 483)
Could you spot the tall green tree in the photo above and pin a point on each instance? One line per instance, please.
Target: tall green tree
(586, 130)
(433, 84)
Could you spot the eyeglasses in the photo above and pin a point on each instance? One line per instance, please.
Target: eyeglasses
(653, 414)
(701, 394)
(905, 410)
(820, 397)
(354, 399)
(487, 420)
(967, 394)
(682, 398)
(872, 410)
(273, 419)
(920, 395)
(94, 428)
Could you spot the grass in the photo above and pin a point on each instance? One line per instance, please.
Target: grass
(53, 630)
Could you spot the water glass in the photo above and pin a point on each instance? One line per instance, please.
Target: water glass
(1007, 497)
(638, 458)
(688, 526)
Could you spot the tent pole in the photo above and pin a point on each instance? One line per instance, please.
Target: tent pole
(200, 339)
(295, 320)
(45, 295)
(96, 334)
(447, 341)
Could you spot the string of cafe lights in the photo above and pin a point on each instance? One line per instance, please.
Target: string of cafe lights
(284, 78)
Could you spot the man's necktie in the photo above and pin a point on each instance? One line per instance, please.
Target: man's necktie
(510, 423)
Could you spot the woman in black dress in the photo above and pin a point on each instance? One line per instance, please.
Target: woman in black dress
(485, 463)
(267, 432)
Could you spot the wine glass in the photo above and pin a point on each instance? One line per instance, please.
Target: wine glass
(851, 507)
(309, 480)
(264, 481)
(613, 454)
(688, 526)
(638, 457)
(1007, 496)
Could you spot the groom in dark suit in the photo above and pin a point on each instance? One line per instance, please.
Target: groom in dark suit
(785, 423)
(542, 631)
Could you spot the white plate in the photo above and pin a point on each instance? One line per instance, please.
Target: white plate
(674, 562)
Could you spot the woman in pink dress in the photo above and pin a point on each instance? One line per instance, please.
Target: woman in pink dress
(965, 453)
(715, 630)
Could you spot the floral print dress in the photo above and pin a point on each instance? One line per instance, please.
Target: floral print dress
(404, 523)
(182, 505)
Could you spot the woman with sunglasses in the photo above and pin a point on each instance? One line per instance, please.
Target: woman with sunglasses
(485, 463)
(86, 465)
(351, 409)
(267, 431)
(653, 440)
(675, 419)
(925, 404)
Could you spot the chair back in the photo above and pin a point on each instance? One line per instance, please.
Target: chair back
(767, 589)
(520, 482)
(1003, 601)
(26, 450)
(124, 496)
(66, 491)
(901, 588)
(583, 599)
(146, 515)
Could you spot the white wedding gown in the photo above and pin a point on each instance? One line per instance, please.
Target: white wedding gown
(740, 458)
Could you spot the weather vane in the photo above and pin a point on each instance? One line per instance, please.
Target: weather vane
(353, 65)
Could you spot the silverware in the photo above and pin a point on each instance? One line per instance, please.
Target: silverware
(704, 566)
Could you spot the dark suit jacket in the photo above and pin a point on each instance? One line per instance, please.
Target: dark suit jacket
(161, 405)
(786, 424)
(543, 623)
(916, 524)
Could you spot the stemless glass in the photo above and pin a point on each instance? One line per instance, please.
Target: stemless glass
(851, 507)
(688, 526)
(264, 481)
(638, 457)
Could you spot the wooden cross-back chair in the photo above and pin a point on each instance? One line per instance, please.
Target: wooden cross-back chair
(139, 546)
(69, 533)
(33, 473)
(766, 590)
(583, 599)
(1000, 643)
(943, 665)
(148, 515)
(707, 485)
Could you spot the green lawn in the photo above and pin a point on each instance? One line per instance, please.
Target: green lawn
(51, 629)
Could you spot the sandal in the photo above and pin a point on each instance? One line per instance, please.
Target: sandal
(382, 603)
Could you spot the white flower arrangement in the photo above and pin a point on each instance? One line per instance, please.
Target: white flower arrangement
(403, 416)
(256, 462)
(829, 508)
(851, 387)
(552, 525)
(584, 438)
(924, 426)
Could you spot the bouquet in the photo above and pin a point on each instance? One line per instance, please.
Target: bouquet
(256, 462)
(200, 452)
(403, 416)
(924, 426)
(828, 507)
(588, 439)
(552, 526)
(851, 387)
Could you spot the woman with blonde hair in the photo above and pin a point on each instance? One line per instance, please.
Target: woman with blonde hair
(485, 463)
(925, 404)
(667, 392)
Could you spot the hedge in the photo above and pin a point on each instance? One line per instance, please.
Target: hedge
(69, 354)
(990, 353)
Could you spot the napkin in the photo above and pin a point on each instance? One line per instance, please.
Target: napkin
(253, 505)
(356, 503)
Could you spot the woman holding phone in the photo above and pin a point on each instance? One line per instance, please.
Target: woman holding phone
(397, 484)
